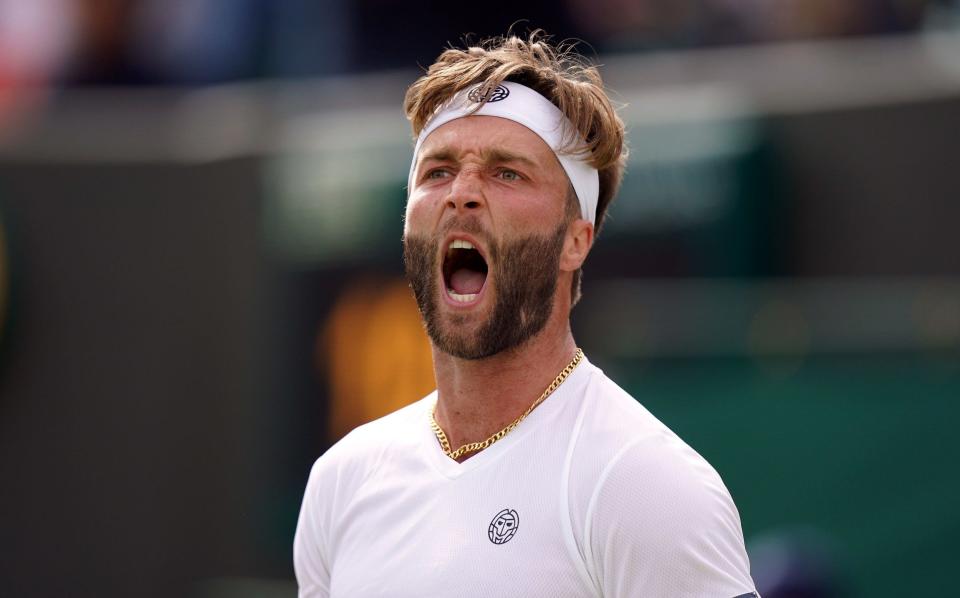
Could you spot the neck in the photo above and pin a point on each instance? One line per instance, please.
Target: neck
(478, 398)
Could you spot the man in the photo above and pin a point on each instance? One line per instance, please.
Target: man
(527, 472)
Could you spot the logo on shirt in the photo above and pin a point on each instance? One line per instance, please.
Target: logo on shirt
(494, 95)
(504, 526)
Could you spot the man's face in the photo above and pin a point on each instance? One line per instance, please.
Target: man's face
(484, 229)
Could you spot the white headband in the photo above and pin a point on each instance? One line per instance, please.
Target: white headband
(525, 106)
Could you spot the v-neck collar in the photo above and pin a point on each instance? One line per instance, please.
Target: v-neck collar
(430, 446)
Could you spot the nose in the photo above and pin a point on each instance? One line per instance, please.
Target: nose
(466, 192)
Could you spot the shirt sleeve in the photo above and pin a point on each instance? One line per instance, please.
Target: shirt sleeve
(309, 543)
(661, 523)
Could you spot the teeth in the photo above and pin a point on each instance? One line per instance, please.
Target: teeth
(460, 244)
(461, 298)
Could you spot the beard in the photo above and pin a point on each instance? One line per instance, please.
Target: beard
(524, 271)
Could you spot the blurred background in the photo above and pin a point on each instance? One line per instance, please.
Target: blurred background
(201, 282)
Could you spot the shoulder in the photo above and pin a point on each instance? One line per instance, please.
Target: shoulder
(665, 487)
(622, 447)
(656, 517)
(613, 420)
(335, 477)
(359, 454)
(342, 471)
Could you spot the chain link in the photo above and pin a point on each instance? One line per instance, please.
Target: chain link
(479, 446)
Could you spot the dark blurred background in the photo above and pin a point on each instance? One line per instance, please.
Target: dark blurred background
(201, 281)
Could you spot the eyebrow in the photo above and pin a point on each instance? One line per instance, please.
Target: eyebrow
(493, 156)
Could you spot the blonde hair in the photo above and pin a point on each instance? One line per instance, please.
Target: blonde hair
(557, 73)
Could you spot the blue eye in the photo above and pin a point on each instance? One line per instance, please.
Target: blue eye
(509, 175)
(437, 174)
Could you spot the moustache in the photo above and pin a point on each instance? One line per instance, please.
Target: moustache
(467, 224)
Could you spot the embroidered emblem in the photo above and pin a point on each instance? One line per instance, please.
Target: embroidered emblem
(503, 526)
(495, 95)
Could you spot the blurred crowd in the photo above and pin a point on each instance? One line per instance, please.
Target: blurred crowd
(203, 41)
(160, 41)
(47, 44)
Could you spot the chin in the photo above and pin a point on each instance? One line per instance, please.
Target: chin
(460, 336)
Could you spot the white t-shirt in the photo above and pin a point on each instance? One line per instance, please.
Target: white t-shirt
(589, 496)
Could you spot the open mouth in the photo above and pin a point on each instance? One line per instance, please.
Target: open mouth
(464, 271)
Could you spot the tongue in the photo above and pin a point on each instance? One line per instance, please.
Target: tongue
(467, 282)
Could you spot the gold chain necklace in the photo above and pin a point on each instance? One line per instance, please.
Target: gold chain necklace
(479, 446)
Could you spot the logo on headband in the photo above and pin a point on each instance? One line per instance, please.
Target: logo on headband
(494, 95)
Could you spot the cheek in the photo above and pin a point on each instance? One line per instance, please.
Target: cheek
(527, 216)
(416, 212)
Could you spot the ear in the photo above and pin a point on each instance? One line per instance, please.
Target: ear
(576, 245)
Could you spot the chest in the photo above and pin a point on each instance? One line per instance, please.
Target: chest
(499, 530)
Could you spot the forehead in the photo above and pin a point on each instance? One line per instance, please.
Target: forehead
(482, 135)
